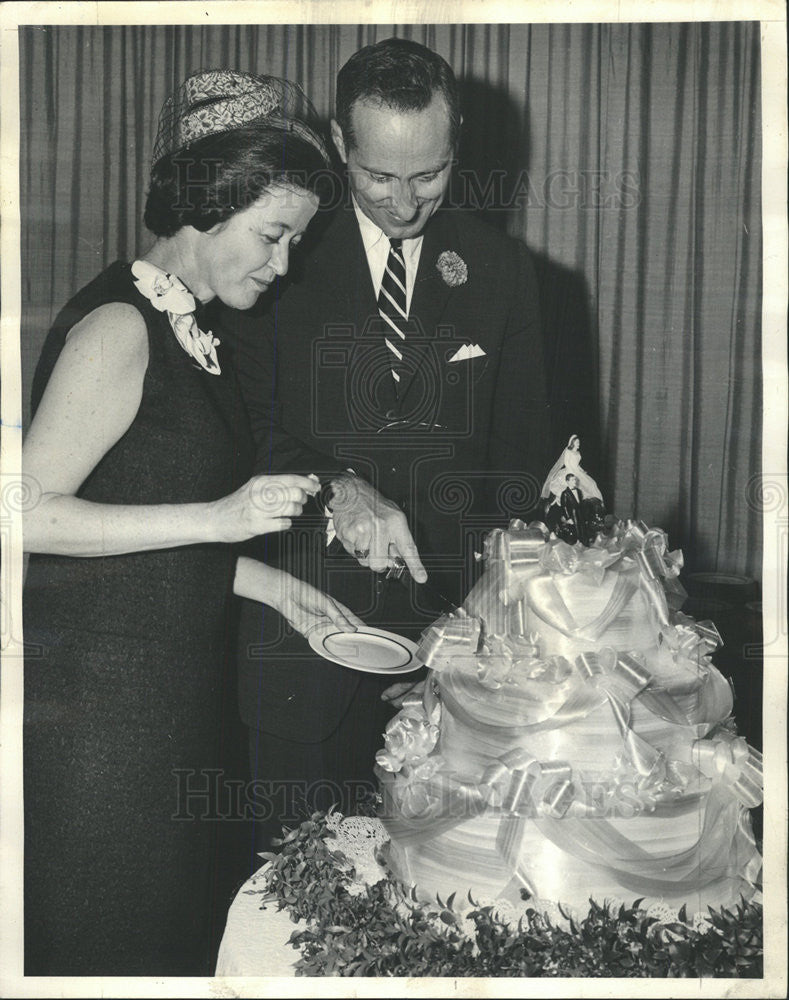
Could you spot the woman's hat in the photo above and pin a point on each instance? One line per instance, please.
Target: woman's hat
(220, 100)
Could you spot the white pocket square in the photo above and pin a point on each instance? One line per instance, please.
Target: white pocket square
(466, 352)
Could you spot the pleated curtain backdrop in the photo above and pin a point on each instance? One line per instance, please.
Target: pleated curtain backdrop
(626, 156)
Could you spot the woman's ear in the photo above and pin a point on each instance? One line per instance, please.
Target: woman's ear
(216, 228)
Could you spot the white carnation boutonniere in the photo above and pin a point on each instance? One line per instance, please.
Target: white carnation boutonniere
(452, 268)
(167, 293)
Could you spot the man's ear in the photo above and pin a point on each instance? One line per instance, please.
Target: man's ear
(338, 140)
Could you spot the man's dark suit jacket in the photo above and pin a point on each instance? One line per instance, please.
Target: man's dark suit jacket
(461, 450)
(571, 506)
(570, 502)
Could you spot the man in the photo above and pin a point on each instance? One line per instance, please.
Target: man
(405, 367)
(570, 501)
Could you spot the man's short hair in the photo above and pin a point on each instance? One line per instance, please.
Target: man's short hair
(398, 74)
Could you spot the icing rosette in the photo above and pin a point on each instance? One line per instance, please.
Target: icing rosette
(411, 735)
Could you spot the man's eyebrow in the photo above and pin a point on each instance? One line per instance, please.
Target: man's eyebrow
(387, 173)
(372, 170)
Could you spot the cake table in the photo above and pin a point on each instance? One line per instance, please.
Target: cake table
(255, 941)
(372, 927)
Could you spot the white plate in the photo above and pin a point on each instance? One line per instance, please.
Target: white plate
(371, 650)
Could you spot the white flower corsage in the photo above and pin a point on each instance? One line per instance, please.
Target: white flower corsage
(452, 268)
(167, 293)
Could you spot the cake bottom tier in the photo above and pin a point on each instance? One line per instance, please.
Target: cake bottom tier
(673, 858)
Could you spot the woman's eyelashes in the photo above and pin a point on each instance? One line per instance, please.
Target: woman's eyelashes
(272, 239)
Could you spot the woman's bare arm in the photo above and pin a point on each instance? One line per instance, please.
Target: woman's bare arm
(91, 399)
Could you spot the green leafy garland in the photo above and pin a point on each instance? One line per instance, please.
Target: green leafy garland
(383, 931)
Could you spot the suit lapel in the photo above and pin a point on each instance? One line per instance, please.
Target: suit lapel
(353, 283)
(431, 292)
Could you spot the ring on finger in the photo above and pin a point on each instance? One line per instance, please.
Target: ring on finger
(361, 553)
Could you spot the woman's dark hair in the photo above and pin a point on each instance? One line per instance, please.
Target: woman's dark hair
(399, 74)
(219, 174)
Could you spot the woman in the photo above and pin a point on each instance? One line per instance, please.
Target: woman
(570, 463)
(140, 446)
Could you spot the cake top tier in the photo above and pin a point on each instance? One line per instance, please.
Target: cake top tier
(546, 607)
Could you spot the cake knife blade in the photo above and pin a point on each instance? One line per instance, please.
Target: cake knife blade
(400, 572)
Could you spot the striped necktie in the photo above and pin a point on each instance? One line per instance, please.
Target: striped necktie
(392, 305)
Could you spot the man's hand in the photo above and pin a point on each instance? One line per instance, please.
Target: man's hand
(372, 528)
(396, 694)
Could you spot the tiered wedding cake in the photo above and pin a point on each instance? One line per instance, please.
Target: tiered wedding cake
(573, 738)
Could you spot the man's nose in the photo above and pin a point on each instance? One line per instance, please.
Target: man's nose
(405, 202)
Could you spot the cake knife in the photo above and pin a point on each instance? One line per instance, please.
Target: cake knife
(399, 571)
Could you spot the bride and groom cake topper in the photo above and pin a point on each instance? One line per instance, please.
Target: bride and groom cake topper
(570, 500)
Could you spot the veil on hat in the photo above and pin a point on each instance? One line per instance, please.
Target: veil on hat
(219, 100)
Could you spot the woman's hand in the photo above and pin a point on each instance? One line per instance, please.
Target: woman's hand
(307, 608)
(264, 504)
(303, 606)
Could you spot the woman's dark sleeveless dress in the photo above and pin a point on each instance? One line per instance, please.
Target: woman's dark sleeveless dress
(130, 714)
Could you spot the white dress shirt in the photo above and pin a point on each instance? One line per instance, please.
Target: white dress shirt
(376, 246)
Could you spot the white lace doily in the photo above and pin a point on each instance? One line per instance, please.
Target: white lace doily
(359, 838)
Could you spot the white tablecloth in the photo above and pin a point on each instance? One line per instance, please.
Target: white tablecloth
(255, 942)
